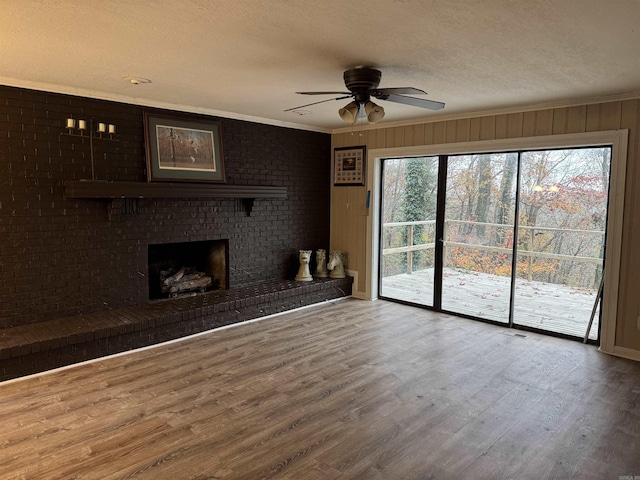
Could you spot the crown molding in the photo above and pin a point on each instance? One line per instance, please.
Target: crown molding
(497, 111)
(145, 102)
(81, 92)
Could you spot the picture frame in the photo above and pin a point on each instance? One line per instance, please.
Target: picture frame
(349, 166)
(183, 149)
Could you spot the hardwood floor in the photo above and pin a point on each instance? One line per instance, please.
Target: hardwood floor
(355, 389)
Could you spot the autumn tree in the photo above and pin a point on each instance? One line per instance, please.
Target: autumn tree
(562, 209)
(504, 207)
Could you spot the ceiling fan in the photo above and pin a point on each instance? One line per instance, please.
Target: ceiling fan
(362, 83)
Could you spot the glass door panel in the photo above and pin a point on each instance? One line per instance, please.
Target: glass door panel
(461, 260)
(561, 232)
(409, 198)
(478, 235)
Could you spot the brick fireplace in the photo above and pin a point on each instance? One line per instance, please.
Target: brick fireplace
(67, 257)
(210, 257)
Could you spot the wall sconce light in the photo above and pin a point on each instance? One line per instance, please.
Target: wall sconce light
(71, 124)
(81, 127)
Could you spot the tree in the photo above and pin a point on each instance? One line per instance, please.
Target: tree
(505, 204)
(394, 185)
(485, 182)
(419, 197)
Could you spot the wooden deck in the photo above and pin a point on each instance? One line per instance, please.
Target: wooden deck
(545, 306)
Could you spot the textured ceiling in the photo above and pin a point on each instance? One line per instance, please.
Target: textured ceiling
(247, 58)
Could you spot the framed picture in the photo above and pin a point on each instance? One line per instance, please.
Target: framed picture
(349, 166)
(183, 150)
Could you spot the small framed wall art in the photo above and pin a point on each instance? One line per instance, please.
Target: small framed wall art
(183, 149)
(349, 166)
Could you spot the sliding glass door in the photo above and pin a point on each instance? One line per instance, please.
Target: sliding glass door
(410, 192)
(561, 234)
(513, 237)
(478, 235)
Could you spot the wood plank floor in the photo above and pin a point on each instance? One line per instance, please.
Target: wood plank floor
(353, 389)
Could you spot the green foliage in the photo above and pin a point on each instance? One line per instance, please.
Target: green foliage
(421, 180)
(420, 191)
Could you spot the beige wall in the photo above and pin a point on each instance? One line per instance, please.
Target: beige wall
(349, 213)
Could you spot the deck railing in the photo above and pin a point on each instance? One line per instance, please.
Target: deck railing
(527, 251)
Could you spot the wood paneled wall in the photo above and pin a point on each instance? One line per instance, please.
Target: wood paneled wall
(349, 213)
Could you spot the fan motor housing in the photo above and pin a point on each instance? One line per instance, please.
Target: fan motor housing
(360, 80)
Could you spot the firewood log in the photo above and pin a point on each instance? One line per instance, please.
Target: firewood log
(176, 277)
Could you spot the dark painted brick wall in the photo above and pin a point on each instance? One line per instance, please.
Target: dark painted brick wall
(62, 257)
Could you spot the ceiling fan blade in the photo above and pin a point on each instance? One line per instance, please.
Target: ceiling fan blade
(416, 102)
(323, 93)
(316, 103)
(397, 91)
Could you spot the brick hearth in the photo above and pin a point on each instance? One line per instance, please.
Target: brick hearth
(38, 347)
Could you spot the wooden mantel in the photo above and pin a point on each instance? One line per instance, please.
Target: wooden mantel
(109, 190)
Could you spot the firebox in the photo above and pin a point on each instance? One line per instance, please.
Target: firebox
(177, 269)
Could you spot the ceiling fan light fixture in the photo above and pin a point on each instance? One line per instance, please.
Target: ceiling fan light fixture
(374, 112)
(349, 113)
(362, 84)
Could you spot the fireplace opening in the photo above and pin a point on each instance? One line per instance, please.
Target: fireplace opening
(178, 269)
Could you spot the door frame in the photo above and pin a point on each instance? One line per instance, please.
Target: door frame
(617, 139)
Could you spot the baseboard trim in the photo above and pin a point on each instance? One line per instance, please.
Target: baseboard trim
(623, 352)
(355, 293)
